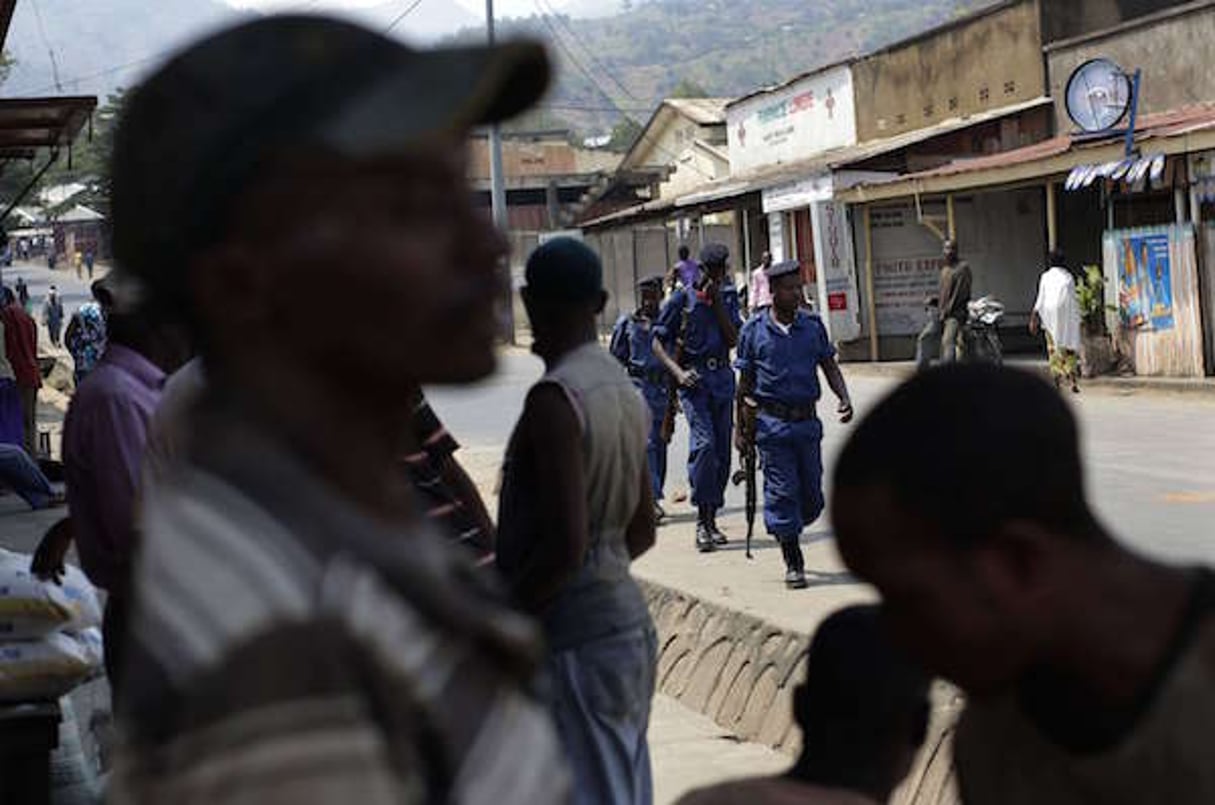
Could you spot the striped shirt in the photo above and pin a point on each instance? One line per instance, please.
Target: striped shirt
(435, 447)
(287, 648)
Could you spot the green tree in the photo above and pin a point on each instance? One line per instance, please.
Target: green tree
(624, 134)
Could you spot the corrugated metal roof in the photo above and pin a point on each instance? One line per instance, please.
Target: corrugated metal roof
(1157, 126)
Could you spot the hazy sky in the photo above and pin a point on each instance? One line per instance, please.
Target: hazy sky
(501, 7)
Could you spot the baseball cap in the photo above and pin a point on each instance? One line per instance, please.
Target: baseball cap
(564, 270)
(714, 254)
(651, 280)
(194, 133)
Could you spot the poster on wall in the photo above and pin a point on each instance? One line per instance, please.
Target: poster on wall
(838, 302)
(900, 288)
(1145, 284)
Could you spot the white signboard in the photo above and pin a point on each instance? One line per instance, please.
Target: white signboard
(838, 302)
(906, 269)
(776, 237)
(810, 116)
(798, 194)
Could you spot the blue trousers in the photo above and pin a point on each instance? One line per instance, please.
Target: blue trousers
(793, 474)
(601, 704)
(709, 408)
(19, 472)
(656, 449)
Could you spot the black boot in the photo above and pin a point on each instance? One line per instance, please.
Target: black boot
(718, 537)
(795, 566)
(704, 534)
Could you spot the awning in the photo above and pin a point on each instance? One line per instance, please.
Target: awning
(27, 124)
(1165, 134)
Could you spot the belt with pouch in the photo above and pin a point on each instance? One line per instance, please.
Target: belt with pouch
(788, 413)
(711, 363)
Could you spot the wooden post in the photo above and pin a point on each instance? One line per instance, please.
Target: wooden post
(1052, 217)
(871, 303)
(952, 223)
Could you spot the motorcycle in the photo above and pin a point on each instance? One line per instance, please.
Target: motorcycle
(980, 334)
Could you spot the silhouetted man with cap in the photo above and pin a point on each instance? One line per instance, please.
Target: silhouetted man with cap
(780, 353)
(633, 345)
(863, 712)
(1089, 669)
(300, 632)
(704, 319)
(576, 509)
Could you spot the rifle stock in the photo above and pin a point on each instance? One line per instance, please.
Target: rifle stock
(668, 417)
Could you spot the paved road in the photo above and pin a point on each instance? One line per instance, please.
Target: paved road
(1150, 456)
(38, 277)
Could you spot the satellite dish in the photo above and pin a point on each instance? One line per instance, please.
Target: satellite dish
(1098, 95)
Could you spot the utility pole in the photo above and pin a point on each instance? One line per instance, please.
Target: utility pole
(498, 191)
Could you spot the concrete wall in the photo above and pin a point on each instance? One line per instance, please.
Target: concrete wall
(984, 63)
(693, 167)
(1065, 19)
(1173, 52)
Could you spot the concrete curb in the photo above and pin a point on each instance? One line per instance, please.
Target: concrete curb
(741, 672)
(902, 370)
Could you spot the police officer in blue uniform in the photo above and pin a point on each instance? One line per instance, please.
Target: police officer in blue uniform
(780, 353)
(699, 325)
(632, 344)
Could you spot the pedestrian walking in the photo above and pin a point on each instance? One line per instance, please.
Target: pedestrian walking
(23, 294)
(89, 259)
(288, 581)
(576, 509)
(85, 337)
(1089, 669)
(699, 326)
(633, 345)
(52, 315)
(780, 354)
(78, 264)
(21, 349)
(947, 311)
(685, 271)
(1057, 313)
(863, 713)
(759, 296)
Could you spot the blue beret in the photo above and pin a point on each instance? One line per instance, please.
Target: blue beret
(781, 269)
(714, 254)
(565, 270)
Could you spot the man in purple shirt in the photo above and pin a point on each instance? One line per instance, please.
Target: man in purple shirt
(684, 273)
(104, 435)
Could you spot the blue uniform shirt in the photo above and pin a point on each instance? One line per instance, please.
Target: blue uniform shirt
(632, 345)
(785, 367)
(704, 337)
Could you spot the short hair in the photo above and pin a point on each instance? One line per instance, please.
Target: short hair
(969, 447)
(684, 251)
(862, 695)
(1056, 257)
